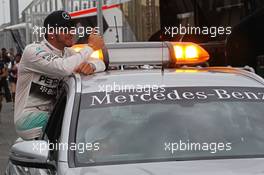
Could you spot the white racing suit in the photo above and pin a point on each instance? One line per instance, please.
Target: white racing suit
(41, 68)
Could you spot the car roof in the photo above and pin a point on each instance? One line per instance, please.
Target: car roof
(184, 77)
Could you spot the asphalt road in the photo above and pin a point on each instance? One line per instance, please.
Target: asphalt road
(7, 134)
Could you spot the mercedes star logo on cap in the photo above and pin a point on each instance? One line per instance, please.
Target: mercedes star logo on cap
(66, 16)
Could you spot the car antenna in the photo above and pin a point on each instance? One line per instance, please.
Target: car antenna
(117, 35)
(162, 54)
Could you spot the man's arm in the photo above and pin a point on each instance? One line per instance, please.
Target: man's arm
(87, 67)
(92, 65)
(38, 60)
(4, 72)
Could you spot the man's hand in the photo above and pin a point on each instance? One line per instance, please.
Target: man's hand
(84, 68)
(96, 42)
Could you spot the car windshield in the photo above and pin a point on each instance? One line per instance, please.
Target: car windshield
(186, 124)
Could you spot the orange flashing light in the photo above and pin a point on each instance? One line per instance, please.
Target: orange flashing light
(189, 53)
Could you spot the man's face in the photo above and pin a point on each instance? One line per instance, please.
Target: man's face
(3, 51)
(18, 58)
(65, 38)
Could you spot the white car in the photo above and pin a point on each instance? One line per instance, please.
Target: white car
(165, 117)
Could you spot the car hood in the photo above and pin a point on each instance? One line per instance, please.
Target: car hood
(198, 167)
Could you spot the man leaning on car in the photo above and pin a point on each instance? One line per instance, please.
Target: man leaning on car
(41, 68)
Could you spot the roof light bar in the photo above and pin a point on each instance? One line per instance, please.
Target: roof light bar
(150, 53)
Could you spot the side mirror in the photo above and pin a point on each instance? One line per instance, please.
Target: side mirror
(32, 154)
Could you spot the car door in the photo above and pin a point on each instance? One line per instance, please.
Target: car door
(54, 126)
(51, 134)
